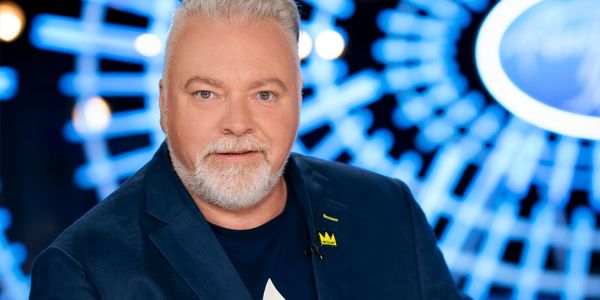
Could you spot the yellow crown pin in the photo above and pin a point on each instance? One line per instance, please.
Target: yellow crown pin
(327, 240)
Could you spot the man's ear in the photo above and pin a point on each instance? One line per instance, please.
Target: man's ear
(163, 105)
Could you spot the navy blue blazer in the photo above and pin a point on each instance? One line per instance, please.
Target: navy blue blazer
(148, 240)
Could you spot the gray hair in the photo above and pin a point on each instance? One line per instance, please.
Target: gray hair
(285, 12)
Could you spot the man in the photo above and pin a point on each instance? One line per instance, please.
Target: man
(223, 211)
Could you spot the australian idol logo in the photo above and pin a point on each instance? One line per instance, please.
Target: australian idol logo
(541, 61)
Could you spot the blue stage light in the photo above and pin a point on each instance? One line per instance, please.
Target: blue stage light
(104, 40)
(13, 283)
(496, 158)
(9, 83)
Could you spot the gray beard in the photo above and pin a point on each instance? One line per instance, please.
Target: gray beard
(227, 185)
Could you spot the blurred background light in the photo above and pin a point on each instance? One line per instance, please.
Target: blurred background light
(329, 44)
(92, 116)
(541, 61)
(148, 44)
(8, 83)
(12, 21)
(305, 45)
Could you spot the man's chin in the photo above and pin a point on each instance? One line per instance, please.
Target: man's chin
(236, 193)
(236, 188)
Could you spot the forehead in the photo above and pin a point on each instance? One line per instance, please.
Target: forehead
(233, 48)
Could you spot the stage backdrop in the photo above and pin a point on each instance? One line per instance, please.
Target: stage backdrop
(489, 111)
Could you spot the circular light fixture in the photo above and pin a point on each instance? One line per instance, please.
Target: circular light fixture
(510, 95)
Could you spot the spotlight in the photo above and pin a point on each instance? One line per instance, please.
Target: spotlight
(91, 116)
(304, 45)
(148, 44)
(12, 21)
(329, 44)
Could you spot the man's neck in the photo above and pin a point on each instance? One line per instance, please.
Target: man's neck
(260, 214)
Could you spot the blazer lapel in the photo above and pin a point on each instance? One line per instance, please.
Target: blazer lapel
(198, 257)
(184, 237)
(328, 222)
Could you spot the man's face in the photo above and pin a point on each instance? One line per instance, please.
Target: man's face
(231, 81)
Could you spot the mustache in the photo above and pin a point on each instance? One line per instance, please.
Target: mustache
(234, 144)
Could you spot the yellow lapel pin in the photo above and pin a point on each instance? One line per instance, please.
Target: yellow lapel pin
(327, 239)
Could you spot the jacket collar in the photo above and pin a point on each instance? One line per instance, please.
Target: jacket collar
(187, 242)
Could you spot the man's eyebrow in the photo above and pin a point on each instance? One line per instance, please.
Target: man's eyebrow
(270, 80)
(206, 80)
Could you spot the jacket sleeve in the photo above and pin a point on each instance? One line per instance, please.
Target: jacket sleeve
(434, 277)
(57, 275)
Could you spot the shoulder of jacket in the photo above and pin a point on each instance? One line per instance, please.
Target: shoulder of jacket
(337, 171)
(117, 213)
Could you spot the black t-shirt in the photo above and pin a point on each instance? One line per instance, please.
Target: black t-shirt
(273, 251)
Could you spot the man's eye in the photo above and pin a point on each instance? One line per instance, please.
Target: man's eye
(266, 95)
(203, 94)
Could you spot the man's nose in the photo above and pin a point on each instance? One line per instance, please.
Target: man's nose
(237, 117)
